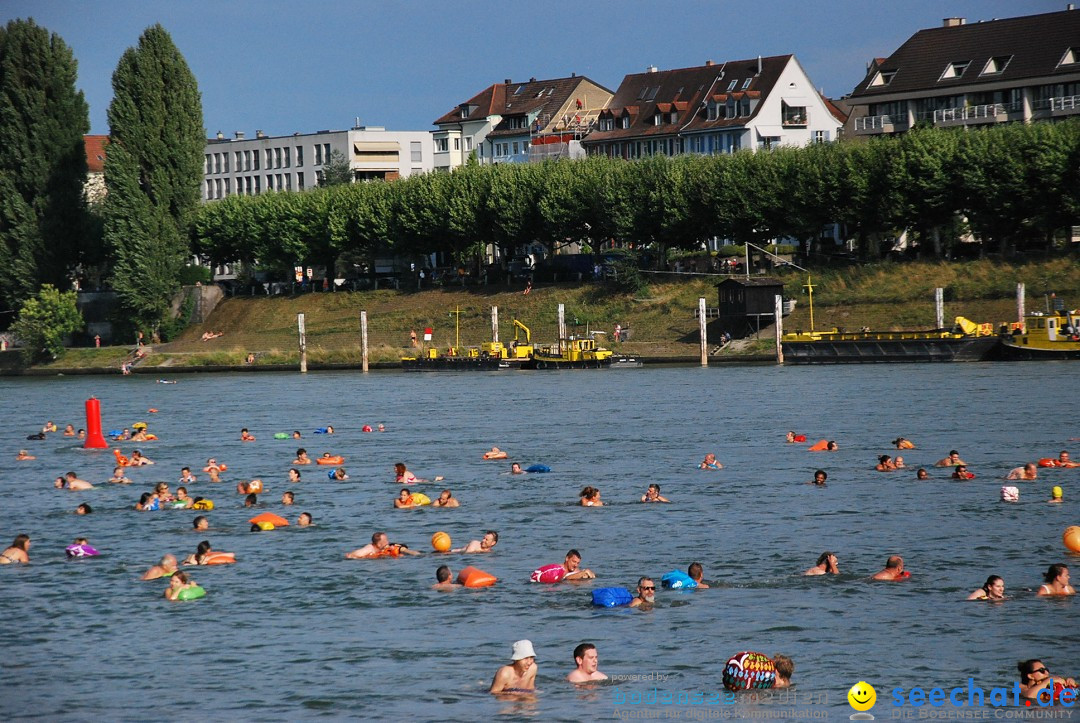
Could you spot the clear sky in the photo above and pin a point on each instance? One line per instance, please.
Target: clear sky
(285, 66)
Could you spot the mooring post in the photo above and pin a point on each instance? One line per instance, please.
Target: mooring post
(1020, 304)
(939, 307)
(495, 324)
(562, 327)
(702, 333)
(363, 340)
(303, 343)
(778, 311)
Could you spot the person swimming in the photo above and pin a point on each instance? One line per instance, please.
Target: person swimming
(992, 589)
(710, 462)
(590, 497)
(826, 564)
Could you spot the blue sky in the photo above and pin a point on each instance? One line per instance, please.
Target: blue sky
(285, 66)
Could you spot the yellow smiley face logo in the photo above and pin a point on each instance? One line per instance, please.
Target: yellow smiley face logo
(862, 696)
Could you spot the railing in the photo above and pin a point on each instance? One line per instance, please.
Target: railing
(875, 122)
(1069, 102)
(973, 112)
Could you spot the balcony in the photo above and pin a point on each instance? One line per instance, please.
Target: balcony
(878, 124)
(974, 114)
(1066, 105)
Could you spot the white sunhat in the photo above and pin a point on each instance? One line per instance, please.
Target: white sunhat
(523, 649)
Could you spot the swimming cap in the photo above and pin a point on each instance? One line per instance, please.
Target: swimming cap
(1055, 492)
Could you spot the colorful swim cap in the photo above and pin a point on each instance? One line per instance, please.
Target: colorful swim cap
(1055, 492)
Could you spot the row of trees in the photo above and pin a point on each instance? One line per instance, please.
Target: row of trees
(153, 171)
(1014, 185)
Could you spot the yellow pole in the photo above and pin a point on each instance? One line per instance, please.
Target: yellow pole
(810, 290)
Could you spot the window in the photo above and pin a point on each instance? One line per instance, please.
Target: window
(457, 144)
(277, 158)
(217, 163)
(515, 147)
(287, 152)
(269, 158)
(744, 108)
(239, 159)
(256, 156)
(1071, 57)
(882, 78)
(206, 165)
(326, 153)
(442, 145)
(657, 119)
(468, 143)
(792, 115)
(258, 187)
(674, 116)
(247, 161)
(955, 70)
(732, 84)
(225, 161)
(300, 181)
(996, 65)
(318, 155)
(299, 156)
(713, 111)
(288, 181)
(278, 182)
(416, 152)
(269, 182)
(821, 136)
(626, 121)
(228, 186)
(730, 109)
(746, 83)
(209, 189)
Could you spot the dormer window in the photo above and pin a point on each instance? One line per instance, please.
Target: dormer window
(746, 83)
(674, 116)
(732, 84)
(712, 112)
(625, 121)
(658, 118)
(955, 70)
(996, 65)
(882, 78)
(1071, 57)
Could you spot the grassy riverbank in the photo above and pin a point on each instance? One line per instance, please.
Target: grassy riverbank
(660, 319)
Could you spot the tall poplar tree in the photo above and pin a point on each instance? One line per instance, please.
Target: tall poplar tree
(153, 172)
(42, 161)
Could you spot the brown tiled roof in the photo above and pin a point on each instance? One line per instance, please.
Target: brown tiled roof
(686, 89)
(1036, 43)
(839, 108)
(95, 153)
(542, 97)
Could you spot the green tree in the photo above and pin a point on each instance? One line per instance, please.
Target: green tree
(337, 171)
(153, 173)
(43, 222)
(44, 320)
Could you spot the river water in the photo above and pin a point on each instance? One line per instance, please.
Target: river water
(294, 631)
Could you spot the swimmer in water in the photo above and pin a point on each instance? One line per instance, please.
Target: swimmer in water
(571, 565)
(339, 474)
(697, 573)
(826, 564)
(515, 468)
(790, 438)
(901, 443)
(652, 494)
(23, 456)
(952, 460)
(444, 579)
(251, 500)
(785, 668)
(1056, 582)
(199, 555)
(520, 675)
(1055, 495)
(179, 581)
(710, 462)
(1036, 679)
(329, 429)
(186, 478)
(161, 489)
(212, 466)
(287, 498)
(84, 509)
(1028, 472)
(165, 568)
(992, 589)
(898, 463)
(69, 431)
(72, 482)
(961, 472)
(446, 499)
(245, 436)
(831, 446)
(590, 497)
(404, 499)
(294, 475)
(304, 520)
(894, 570)
(379, 547)
(885, 464)
(200, 523)
(296, 434)
(922, 474)
(490, 539)
(588, 661)
(646, 594)
(405, 477)
(19, 551)
(301, 457)
(819, 478)
(137, 460)
(182, 497)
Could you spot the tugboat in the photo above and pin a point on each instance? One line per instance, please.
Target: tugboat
(967, 341)
(455, 358)
(1053, 335)
(572, 353)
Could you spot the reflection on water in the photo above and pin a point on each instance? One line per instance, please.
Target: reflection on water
(294, 630)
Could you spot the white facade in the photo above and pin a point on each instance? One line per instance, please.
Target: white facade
(250, 166)
(794, 113)
(453, 143)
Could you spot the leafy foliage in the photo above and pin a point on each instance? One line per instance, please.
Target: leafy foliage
(44, 320)
(153, 172)
(43, 221)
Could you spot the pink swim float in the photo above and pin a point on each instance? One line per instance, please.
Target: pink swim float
(548, 573)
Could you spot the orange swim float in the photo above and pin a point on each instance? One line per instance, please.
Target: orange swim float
(330, 460)
(472, 577)
(819, 446)
(218, 558)
(275, 520)
(493, 454)
(1048, 462)
(255, 486)
(121, 459)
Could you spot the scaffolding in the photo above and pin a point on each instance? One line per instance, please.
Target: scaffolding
(563, 138)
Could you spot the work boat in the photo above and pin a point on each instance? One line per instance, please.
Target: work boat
(1053, 335)
(572, 353)
(454, 359)
(966, 341)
